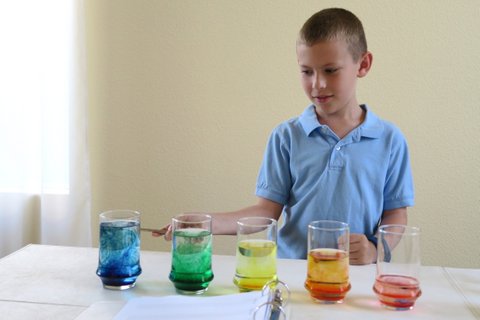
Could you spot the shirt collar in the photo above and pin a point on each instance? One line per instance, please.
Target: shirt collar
(308, 120)
(371, 127)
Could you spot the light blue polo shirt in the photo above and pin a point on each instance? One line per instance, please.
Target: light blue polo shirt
(317, 176)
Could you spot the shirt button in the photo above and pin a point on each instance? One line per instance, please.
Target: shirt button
(338, 148)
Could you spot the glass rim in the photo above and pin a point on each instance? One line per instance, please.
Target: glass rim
(129, 212)
(206, 218)
(267, 222)
(328, 225)
(410, 230)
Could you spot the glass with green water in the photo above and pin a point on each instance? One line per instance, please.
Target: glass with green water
(191, 271)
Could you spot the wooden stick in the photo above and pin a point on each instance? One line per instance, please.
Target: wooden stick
(160, 232)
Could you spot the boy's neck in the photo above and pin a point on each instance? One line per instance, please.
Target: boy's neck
(343, 124)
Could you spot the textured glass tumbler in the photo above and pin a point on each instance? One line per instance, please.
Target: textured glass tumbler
(119, 251)
(328, 261)
(191, 271)
(256, 257)
(397, 285)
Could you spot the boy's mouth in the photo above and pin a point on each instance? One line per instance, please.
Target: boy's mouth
(323, 99)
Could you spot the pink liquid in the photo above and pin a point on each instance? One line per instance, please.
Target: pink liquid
(397, 292)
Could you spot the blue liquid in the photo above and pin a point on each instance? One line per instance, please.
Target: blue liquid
(119, 254)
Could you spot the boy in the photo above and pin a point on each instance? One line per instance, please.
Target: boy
(337, 160)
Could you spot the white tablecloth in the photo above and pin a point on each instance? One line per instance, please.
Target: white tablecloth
(55, 282)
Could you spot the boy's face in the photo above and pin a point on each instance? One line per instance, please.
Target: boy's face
(329, 76)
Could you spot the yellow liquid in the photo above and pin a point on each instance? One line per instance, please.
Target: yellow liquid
(256, 264)
(328, 265)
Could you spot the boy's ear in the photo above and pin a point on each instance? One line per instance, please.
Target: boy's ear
(365, 64)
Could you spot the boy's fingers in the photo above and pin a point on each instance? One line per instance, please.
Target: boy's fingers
(168, 233)
(156, 232)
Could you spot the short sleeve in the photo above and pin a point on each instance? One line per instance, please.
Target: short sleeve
(274, 178)
(398, 191)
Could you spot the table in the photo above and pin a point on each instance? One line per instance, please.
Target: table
(57, 282)
(467, 282)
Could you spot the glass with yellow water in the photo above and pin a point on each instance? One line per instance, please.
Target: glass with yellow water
(328, 261)
(256, 253)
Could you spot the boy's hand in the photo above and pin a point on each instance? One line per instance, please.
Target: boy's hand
(165, 231)
(362, 251)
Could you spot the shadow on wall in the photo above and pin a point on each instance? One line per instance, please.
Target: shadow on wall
(21, 212)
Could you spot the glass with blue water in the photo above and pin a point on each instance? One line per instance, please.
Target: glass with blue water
(119, 252)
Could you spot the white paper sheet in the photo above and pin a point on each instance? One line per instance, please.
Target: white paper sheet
(236, 306)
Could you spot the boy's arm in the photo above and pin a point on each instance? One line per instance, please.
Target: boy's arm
(363, 251)
(225, 223)
(394, 216)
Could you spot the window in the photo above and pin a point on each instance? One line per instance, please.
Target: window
(35, 83)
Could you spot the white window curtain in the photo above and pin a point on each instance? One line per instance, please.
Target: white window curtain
(44, 174)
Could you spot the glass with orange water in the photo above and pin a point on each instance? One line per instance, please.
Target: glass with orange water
(328, 261)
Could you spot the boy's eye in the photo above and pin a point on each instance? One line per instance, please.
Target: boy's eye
(307, 72)
(330, 70)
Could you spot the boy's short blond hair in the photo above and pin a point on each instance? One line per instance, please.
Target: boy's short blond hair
(334, 24)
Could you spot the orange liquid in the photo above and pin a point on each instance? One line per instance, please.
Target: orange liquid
(397, 292)
(327, 275)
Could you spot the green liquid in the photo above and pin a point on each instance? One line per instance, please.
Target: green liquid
(191, 259)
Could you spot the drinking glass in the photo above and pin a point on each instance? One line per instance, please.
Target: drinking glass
(191, 271)
(256, 257)
(398, 265)
(119, 252)
(328, 261)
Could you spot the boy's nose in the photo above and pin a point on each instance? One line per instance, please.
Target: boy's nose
(319, 83)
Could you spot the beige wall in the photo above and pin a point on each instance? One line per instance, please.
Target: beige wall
(183, 95)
